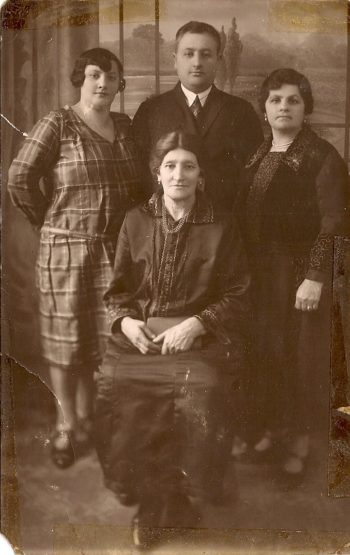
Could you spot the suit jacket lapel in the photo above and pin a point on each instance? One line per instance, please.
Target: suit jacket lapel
(212, 107)
(215, 101)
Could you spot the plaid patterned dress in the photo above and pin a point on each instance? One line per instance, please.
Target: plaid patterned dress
(76, 186)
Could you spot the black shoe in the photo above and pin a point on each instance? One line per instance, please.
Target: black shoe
(181, 512)
(145, 524)
(127, 499)
(63, 457)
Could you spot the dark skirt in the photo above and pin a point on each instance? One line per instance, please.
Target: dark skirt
(289, 378)
(165, 422)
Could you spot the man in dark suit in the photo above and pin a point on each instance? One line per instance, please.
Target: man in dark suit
(228, 125)
(230, 132)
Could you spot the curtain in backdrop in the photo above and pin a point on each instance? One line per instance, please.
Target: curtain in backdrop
(40, 42)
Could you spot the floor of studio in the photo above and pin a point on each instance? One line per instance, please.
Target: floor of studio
(71, 513)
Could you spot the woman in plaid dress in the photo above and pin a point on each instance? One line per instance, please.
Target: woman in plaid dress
(74, 178)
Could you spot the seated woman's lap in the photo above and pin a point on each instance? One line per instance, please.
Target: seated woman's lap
(161, 417)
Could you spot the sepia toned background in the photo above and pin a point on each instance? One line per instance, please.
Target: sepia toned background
(40, 41)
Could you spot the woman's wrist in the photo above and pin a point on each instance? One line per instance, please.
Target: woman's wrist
(197, 326)
(124, 322)
(315, 282)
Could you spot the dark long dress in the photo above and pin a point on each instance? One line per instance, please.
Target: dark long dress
(291, 208)
(165, 422)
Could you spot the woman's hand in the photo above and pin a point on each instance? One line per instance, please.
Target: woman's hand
(180, 337)
(139, 335)
(308, 295)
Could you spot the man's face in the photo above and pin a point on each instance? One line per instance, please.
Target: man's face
(196, 61)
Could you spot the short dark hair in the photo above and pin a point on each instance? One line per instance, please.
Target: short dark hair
(172, 141)
(199, 28)
(287, 76)
(100, 57)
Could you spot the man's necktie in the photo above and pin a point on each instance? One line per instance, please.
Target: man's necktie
(196, 107)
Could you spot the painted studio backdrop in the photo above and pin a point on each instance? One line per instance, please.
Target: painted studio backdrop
(40, 41)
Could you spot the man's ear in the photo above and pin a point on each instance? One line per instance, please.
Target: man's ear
(174, 56)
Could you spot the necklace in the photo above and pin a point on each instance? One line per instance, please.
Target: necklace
(281, 146)
(168, 226)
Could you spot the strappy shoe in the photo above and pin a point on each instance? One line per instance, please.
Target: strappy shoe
(62, 451)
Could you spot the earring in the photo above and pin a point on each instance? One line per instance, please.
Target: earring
(305, 121)
(122, 85)
(201, 184)
(265, 117)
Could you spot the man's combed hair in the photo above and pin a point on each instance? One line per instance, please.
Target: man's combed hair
(199, 28)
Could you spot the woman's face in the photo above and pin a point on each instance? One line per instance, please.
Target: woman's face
(100, 87)
(179, 174)
(285, 109)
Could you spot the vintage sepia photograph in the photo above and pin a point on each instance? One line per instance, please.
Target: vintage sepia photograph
(175, 277)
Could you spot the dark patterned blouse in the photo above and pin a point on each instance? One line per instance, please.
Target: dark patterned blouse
(196, 266)
(296, 201)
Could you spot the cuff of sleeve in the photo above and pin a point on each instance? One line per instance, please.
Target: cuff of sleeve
(115, 317)
(212, 325)
(317, 275)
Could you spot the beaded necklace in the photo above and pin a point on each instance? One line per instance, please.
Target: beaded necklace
(168, 225)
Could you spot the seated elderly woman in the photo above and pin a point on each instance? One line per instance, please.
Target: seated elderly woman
(177, 308)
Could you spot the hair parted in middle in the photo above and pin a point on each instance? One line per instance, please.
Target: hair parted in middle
(100, 57)
(172, 141)
(200, 28)
(287, 76)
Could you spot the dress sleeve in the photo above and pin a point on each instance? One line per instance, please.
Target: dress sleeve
(332, 189)
(37, 155)
(119, 298)
(227, 316)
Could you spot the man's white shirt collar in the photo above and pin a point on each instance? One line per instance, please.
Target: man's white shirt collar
(190, 96)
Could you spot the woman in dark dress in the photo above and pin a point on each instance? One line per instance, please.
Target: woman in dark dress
(164, 414)
(292, 206)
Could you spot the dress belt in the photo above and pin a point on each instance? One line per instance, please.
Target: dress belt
(77, 234)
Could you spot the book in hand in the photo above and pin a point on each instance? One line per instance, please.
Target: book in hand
(158, 324)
